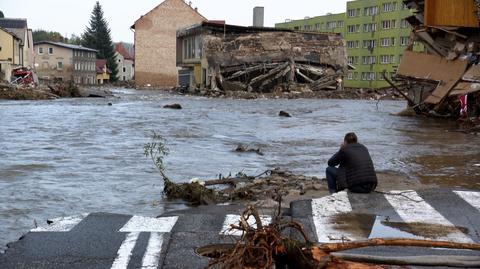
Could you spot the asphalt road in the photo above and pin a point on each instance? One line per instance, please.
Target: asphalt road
(102, 240)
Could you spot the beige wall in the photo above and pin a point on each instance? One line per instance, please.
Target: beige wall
(155, 42)
(28, 53)
(48, 63)
(10, 48)
(127, 64)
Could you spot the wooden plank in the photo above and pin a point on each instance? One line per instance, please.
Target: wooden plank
(433, 67)
(461, 13)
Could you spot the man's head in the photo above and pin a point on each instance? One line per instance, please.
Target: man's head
(350, 138)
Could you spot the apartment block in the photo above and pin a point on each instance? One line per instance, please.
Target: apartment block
(376, 35)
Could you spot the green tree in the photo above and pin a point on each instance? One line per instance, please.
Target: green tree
(1, 15)
(97, 36)
(75, 40)
(42, 35)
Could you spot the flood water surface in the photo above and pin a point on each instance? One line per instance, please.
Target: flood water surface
(71, 156)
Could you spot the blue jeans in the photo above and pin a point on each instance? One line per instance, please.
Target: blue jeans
(332, 176)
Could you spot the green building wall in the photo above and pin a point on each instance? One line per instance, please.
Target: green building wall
(357, 15)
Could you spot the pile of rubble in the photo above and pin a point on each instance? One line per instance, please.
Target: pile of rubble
(267, 60)
(32, 91)
(445, 81)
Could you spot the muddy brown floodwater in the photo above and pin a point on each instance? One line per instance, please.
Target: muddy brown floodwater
(70, 156)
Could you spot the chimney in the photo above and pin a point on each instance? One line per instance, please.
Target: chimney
(258, 16)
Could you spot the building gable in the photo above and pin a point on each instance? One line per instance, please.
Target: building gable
(165, 5)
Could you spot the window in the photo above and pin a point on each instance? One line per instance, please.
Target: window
(350, 44)
(368, 75)
(350, 76)
(388, 7)
(340, 24)
(370, 11)
(369, 59)
(124, 69)
(393, 41)
(353, 28)
(353, 13)
(384, 59)
(59, 65)
(318, 26)
(331, 25)
(385, 42)
(351, 59)
(119, 60)
(404, 6)
(403, 23)
(50, 50)
(369, 44)
(369, 27)
(40, 50)
(388, 24)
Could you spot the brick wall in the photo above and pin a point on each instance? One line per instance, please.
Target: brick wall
(155, 42)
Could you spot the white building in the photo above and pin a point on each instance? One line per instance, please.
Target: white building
(126, 63)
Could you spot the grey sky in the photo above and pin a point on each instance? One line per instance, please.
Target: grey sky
(72, 16)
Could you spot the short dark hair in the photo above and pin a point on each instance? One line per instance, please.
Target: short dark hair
(351, 138)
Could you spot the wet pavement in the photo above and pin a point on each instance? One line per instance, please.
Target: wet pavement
(104, 241)
(71, 156)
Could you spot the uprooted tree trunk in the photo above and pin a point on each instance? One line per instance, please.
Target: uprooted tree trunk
(262, 246)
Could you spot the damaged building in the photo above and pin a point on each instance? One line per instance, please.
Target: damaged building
(219, 58)
(445, 80)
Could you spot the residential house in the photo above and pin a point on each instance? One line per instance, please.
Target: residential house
(155, 42)
(125, 61)
(65, 62)
(19, 27)
(10, 51)
(103, 73)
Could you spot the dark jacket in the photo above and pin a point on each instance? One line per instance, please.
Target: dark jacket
(355, 160)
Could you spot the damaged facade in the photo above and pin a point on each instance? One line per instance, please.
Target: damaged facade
(445, 81)
(219, 58)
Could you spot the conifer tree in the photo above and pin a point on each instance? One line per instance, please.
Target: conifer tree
(1, 15)
(97, 36)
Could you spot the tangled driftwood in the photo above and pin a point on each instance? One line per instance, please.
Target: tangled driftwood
(262, 246)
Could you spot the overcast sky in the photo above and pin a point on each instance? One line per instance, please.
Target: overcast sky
(71, 16)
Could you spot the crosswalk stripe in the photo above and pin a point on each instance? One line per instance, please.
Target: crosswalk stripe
(136, 225)
(62, 224)
(234, 219)
(323, 209)
(145, 224)
(473, 198)
(414, 209)
(151, 258)
(125, 251)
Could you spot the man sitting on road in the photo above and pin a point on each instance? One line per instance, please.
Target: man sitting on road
(355, 171)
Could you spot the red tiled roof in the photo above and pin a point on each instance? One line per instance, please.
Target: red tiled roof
(100, 65)
(121, 49)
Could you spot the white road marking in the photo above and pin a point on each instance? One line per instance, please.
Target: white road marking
(125, 251)
(413, 209)
(151, 258)
(473, 198)
(323, 210)
(136, 225)
(144, 224)
(235, 219)
(62, 224)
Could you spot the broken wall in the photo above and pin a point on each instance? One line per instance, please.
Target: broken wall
(238, 49)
